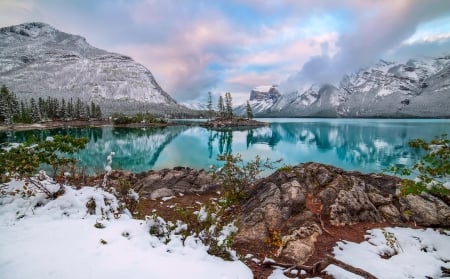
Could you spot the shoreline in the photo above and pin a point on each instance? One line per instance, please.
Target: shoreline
(218, 124)
(76, 124)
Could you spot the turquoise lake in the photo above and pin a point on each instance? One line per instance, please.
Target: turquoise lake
(366, 145)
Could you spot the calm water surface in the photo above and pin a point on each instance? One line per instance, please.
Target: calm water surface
(366, 145)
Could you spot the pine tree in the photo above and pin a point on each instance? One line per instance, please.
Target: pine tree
(77, 110)
(35, 113)
(228, 106)
(98, 112)
(221, 107)
(42, 108)
(25, 113)
(84, 114)
(70, 109)
(66, 115)
(93, 108)
(210, 109)
(249, 111)
(62, 110)
(56, 109)
(9, 105)
(88, 111)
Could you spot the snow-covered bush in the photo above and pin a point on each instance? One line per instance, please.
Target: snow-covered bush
(128, 199)
(24, 160)
(211, 225)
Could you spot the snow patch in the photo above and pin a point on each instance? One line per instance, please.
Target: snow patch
(53, 238)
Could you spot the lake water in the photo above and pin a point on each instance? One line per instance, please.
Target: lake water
(366, 145)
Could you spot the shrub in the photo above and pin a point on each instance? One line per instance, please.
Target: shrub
(286, 168)
(122, 119)
(237, 176)
(432, 170)
(25, 159)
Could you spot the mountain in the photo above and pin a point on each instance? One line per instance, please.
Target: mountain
(417, 88)
(261, 99)
(196, 106)
(37, 60)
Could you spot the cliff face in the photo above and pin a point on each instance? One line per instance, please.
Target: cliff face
(264, 93)
(37, 60)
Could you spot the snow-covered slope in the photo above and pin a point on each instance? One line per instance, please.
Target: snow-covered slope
(196, 106)
(39, 60)
(417, 88)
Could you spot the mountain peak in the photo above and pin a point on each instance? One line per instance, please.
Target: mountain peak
(59, 64)
(30, 29)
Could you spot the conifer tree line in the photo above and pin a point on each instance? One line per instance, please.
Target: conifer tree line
(13, 110)
(225, 107)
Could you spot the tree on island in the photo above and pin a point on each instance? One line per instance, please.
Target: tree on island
(249, 111)
(209, 106)
(228, 106)
(221, 107)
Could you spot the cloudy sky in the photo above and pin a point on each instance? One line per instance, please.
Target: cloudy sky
(196, 46)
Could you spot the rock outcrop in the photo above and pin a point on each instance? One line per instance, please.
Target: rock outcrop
(292, 207)
(296, 203)
(168, 182)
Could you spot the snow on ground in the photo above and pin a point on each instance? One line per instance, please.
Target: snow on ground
(58, 239)
(420, 253)
(414, 253)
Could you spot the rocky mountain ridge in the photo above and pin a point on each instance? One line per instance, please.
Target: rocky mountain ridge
(417, 88)
(37, 60)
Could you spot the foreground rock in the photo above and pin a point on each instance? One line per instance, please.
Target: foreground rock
(294, 205)
(291, 208)
(166, 182)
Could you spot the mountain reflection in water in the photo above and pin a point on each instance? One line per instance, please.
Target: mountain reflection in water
(365, 145)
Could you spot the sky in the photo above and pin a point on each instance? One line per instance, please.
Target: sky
(196, 46)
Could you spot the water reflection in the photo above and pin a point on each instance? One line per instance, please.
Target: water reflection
(364, 145)
(224, 141)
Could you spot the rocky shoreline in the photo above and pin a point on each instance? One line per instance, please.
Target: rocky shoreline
(213, 124)
(76, 124)
(233, 123)
(299, 204)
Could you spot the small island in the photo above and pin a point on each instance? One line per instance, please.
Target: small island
(224, 118)
(237, 122)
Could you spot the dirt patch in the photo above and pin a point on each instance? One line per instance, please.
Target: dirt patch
(167, 207)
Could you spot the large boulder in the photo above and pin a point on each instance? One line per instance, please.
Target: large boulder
(177, 180)
(166, 182)
(295, 204)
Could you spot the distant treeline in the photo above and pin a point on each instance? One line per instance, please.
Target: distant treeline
(36, 110)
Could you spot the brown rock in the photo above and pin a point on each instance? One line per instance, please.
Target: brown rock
(425, 210)
(298, 246)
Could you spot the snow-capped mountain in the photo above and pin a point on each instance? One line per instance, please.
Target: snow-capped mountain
(196, 106)
(417, 88)
(262, 98)
(37, 60)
